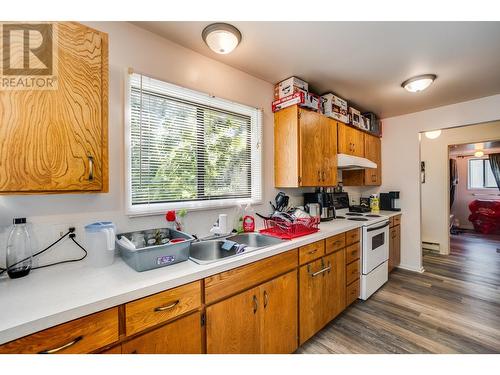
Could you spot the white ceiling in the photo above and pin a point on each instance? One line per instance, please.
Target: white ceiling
(470, 148)
(364, 62)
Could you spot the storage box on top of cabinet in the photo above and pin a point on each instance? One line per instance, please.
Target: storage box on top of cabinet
(55, 140)
(289, 86)
(335, 107)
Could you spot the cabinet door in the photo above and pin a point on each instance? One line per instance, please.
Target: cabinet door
(286, 147)
(329, 151)
(182, 336)
(397, 246)
(233, 325)
(392, 245)
(311, 148)
(373, 153)
(350, 140)
(334, 285)
(56, 140)
(279, 317)
(311, 301)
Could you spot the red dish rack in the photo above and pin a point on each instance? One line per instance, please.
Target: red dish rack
(287, 230)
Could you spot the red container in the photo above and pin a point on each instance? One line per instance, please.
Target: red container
(287, 230)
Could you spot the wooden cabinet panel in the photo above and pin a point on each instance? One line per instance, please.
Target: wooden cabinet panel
(286, 147)
(183, 336)
(394, 247)
(311, 147)
(334, 285)
(233, 325)
(311, 302)
(352, 272)
(150, 311)
(83, 335)
(279, 327)
(350, 141)
(114, 350)
(329, 151)
(334, 243)
(352, 293)
(397, 220)
(55, 140)
(352, 252)
(227, 283)
(352, 236)
(373, 176)
(312, 251)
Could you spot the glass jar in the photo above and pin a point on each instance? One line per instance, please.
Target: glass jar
(19, 253)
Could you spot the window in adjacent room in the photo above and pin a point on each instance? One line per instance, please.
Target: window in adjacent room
(480, 174)
(187, 149)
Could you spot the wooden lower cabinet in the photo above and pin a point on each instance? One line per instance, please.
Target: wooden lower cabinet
(260, 320)
(321, 293)
(394, 247)
(183, 336)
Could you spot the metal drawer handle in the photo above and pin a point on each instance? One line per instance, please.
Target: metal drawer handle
(91, 168)
(312, 251)
(323, 173)
(337, 242)
(266, 299)
(62, 347)
(167, 307)
(255, 304)
(321, 271)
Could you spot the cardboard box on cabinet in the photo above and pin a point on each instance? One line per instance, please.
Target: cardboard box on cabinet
(289, 87)
(302, 98)
(334, 107)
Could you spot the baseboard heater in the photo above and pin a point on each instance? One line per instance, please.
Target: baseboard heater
(433, 246)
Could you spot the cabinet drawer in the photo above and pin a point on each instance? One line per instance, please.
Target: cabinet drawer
(150, 311)
(335, 243)
(82, 335)
(352, 272)
(233, 281)
(397, 220)
(352, 293)
(311, 252)
(352, 236)
(352, 253)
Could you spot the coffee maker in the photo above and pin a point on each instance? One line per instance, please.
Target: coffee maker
(390, 201)
(325, 201)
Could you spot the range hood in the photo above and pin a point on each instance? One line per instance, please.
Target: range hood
(346, 162)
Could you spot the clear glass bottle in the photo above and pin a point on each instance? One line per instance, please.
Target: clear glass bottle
(19, 253)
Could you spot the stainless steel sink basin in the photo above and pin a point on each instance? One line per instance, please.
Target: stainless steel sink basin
(255, 240)
(210, 251)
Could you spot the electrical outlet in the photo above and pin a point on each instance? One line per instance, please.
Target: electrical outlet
(61, 229)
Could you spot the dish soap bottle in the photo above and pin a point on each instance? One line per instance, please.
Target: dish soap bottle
(19, 253)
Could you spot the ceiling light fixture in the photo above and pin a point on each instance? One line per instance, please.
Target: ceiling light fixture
(419, 83)
(479, 154)
(433, 134)
(221, 37)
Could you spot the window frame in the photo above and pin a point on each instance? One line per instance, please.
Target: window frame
(201, 98)
(469, 187)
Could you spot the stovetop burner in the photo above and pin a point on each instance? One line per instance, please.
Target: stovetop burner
(373, 215)
(354, 214)
(357, 219)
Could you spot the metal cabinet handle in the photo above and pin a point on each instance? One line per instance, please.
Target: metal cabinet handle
(338, 242)
(166, 307)
(255, 304)
(321, 271)
(323, 173)
(91, 168)
(312, 251)
(266, 299)
(319, 175)
(62, 347)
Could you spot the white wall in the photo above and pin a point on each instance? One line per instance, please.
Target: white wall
(435, 191)
(130, 46)
(401, 164)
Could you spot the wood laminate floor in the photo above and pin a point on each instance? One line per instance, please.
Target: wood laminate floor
(453, 307)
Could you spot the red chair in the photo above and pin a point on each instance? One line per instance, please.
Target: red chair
(485, 216)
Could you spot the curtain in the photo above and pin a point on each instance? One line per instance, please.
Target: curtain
(453, 180)
(495, 167)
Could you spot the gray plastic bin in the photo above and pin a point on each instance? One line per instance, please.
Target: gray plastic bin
(150, 257)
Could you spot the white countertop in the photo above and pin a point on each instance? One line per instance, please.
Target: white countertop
(51, 296)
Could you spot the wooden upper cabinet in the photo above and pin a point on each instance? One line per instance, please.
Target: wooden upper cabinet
(305, 148)
(56, 140)
(350, 140)
(368, 176)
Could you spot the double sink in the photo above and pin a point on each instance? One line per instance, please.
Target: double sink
(209, 251)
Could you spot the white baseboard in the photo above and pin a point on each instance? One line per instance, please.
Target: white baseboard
(411, 268)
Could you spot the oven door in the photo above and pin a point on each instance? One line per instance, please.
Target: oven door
(375, 245)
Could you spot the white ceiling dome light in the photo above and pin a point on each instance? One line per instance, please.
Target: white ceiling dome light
(433, 134)
(419, 83)
(222, 38)
(479, 154)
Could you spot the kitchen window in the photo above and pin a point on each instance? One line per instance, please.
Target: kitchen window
(187, 149)
(480, 174)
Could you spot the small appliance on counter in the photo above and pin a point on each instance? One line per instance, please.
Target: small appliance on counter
(100, 240)
(390, 201)
(325, 201)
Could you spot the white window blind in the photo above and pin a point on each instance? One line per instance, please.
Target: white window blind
(480, 174)
(188, 149)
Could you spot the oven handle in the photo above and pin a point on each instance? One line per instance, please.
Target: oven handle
(377, 228)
